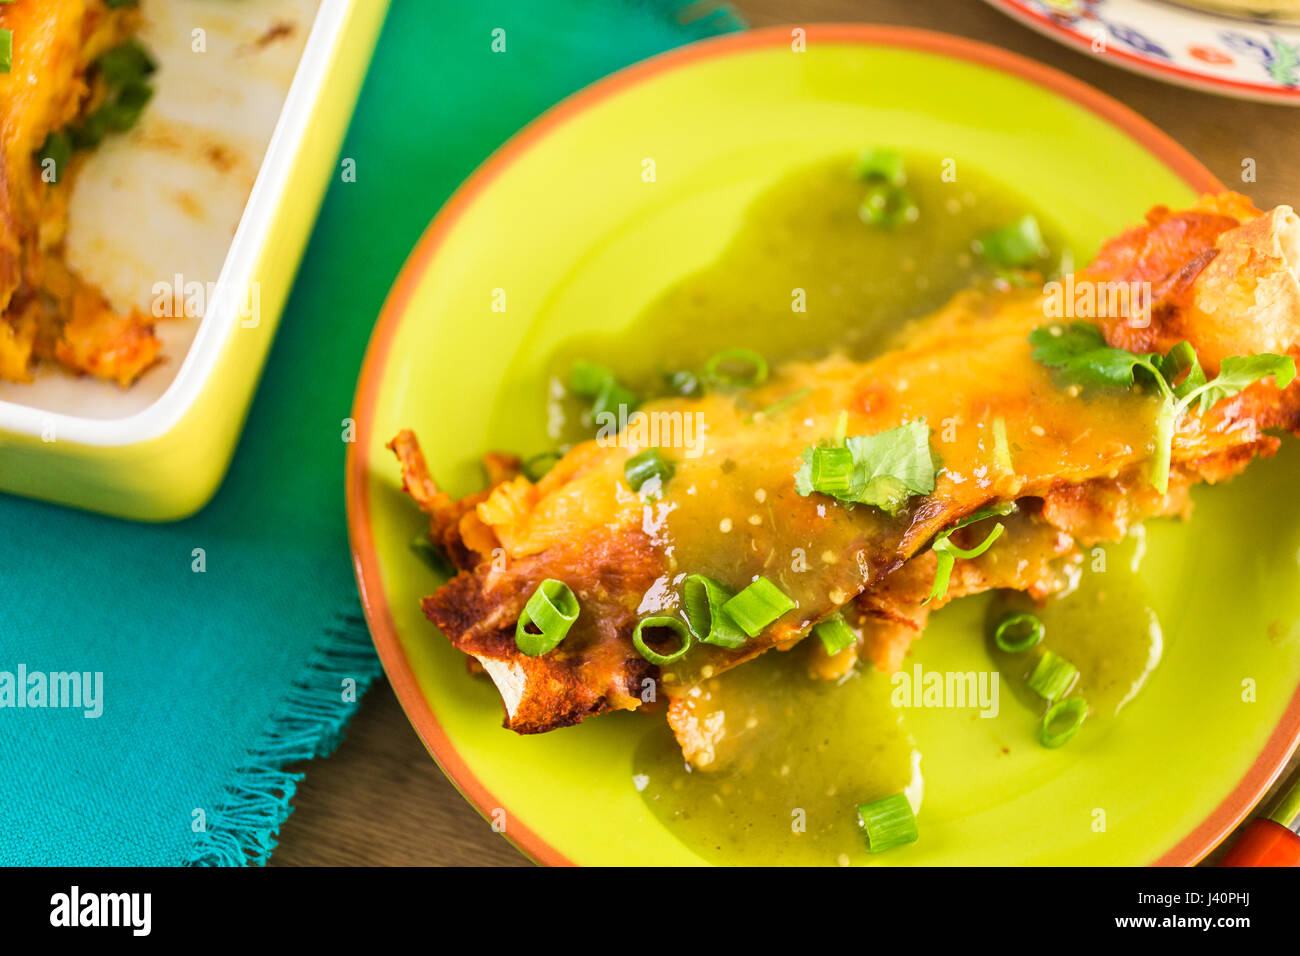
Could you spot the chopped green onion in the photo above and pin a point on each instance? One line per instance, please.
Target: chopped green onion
(598, 383)
(704, 599)
(832, 471)
(125, 110)
(6, 50)
(125, 64)
(835, 634)
(888, 823)
(841, 427)
(676, 625)
(588, 378)
(117, 115)
(1018, 632)
(758, 606)
(546, 619)
(721, 368)
(888, 206)
(1052, 676)
(535, 468)
(433, 555)
(877, 163)
(781, 404)
(1014, 245)
(116, 4)
(1062, 721)
(1001, 447)
(683, 382)
(124, 70)
(58, 149)
(613, 397)
(648, 464)
(947, 553)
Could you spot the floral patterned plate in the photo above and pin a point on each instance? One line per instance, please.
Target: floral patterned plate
(1251, 49)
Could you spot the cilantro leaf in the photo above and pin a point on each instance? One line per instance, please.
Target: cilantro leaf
(1237, 372)
(882, 470)
(1079, 351)
(803, 474)
(893, 465)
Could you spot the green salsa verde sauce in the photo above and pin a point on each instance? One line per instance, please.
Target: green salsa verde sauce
(1104, 626)
(859, 283)
(799, 754)
(803, 277)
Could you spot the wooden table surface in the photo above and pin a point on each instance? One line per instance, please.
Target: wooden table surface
(380, 799)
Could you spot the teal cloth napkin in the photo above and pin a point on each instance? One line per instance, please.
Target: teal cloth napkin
(215, 682)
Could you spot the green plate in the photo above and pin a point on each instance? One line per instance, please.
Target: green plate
(562, 222)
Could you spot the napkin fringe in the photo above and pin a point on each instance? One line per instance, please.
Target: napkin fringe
(309, 723)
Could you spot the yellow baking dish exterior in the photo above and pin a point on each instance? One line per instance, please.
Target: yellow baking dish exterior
(167, 461)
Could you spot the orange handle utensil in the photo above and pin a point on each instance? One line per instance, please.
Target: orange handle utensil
(1270, 841)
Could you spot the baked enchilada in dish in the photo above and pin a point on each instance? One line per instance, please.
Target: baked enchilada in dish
(826, 504)
(74, 75)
